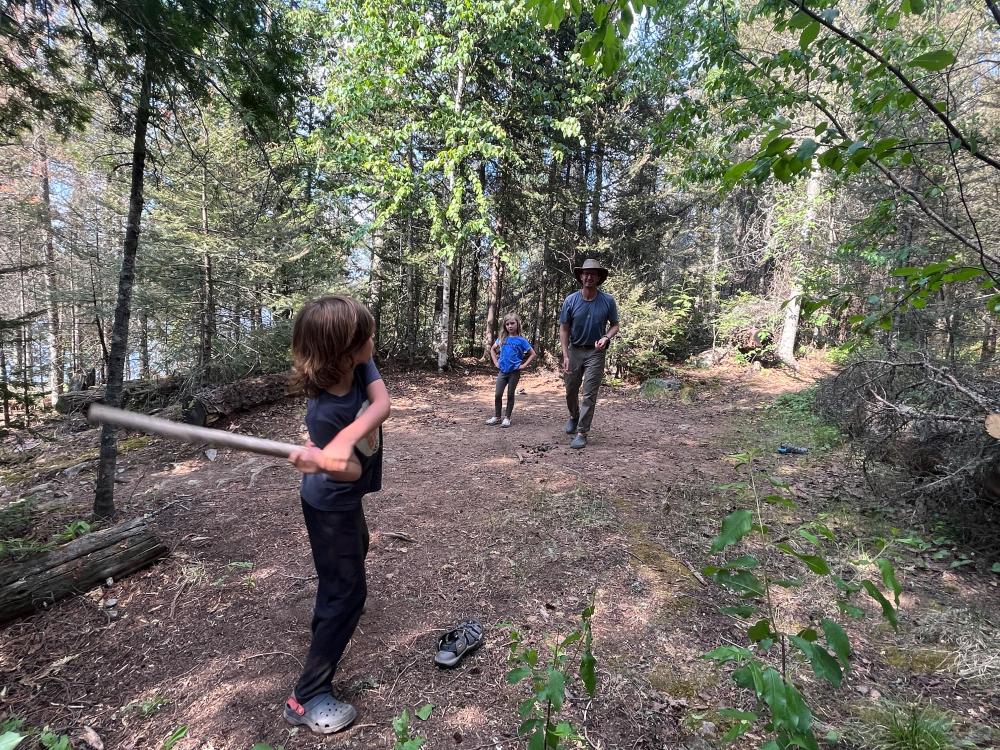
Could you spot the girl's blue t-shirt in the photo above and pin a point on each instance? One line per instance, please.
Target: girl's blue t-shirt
(326, 415)
(513, 350)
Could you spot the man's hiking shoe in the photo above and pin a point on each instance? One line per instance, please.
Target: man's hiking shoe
(580, 441)
(455, 644)
(506, 422)
(323, 714)
(493, 420)
(570, 426)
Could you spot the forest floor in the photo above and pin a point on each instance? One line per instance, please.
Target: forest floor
(507, 525)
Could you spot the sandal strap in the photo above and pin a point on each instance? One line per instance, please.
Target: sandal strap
(466, 634)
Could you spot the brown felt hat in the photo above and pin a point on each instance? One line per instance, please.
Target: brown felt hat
(591, 265)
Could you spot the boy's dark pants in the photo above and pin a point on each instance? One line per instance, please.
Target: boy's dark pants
(506, 380)
(339, 541)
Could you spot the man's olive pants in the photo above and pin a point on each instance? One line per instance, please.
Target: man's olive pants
(586, 366)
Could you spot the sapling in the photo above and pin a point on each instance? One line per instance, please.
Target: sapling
(548, 679)
(827, 649)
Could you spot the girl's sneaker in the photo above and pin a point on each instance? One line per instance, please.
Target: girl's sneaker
(493, 420)
(506, 422)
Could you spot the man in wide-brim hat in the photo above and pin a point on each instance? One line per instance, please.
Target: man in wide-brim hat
(585, 335)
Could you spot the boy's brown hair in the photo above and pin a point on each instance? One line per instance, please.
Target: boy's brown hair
(327, 333)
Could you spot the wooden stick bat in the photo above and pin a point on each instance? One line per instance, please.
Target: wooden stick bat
(187, 433)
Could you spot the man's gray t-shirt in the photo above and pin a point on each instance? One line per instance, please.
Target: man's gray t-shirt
(588, 320)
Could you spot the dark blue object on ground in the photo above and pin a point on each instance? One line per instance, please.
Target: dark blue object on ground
(792, 450)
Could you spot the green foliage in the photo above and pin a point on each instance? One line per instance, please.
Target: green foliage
(174, 737)
(548, 680)
(653, 332)
(751, 576)
(745, 312)
(15, 519)
(405, 738)
(21, 547)
(9, 736)
(147, 707)
(73, 530)
(917, 726)
(53, 741)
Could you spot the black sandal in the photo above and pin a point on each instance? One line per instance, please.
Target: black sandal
(455, 644)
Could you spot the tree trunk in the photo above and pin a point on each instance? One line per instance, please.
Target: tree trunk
(51, 290)
(597, 195)
(24, 338)
(493, 298)
(454, 301)
(470, 325)
(442, 317)
(77, 567)
(989, 345)
(790, 328)
(583, 192)
(375, 285)
(207, 327)
(4, 381)
(104, 501)
(144, 364)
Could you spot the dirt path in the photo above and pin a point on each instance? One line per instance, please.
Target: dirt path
(508, 525)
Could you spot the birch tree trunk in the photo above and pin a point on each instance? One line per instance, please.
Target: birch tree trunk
(793, 309)
(51, 288)
(104, 501)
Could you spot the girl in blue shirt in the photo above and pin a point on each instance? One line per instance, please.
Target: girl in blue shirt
(508, 353)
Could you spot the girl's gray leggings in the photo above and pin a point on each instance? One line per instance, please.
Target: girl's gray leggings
(506, 380)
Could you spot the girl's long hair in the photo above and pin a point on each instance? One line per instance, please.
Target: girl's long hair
(503, 328)
(327, 333)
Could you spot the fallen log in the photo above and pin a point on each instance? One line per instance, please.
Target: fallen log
(141, 395)
(77, 567)
(163, 398)
(213, 402)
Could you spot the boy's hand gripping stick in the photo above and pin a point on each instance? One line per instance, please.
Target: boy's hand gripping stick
(187, 433)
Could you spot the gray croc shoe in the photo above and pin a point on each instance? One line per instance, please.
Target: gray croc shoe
(323, 714)
(455, 644)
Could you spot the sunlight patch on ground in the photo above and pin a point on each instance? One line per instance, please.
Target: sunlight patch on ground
(466, 719)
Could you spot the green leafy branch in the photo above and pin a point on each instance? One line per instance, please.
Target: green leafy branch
(548, 680)
(828, 650)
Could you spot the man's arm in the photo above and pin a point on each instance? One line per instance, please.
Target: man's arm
(564, 343)
(602, 343)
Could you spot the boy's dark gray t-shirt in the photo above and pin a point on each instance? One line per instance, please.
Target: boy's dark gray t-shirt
(588, 320)
(326, 415)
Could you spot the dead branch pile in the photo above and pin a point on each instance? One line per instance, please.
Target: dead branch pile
(928, 421)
